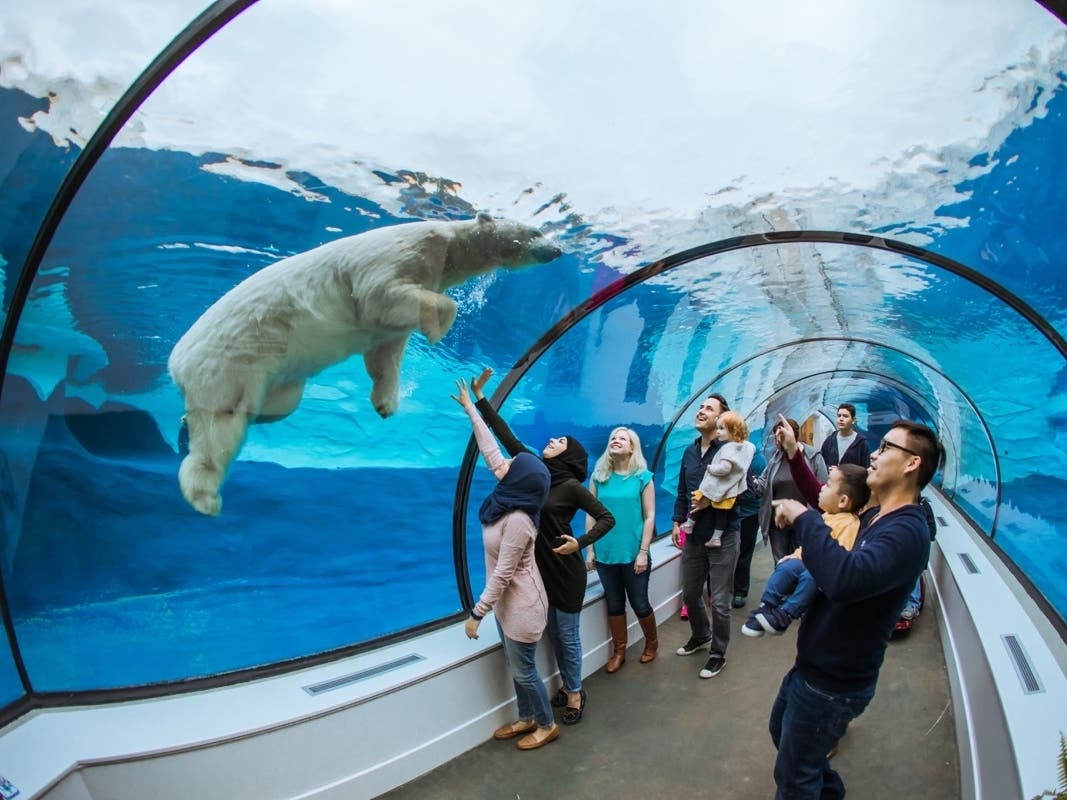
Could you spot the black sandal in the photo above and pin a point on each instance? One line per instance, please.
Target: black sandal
(559, 699)
(572, 716)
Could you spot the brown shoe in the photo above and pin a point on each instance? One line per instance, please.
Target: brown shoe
(539, 738)
(513, 729)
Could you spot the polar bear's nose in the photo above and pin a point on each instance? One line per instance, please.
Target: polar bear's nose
(544, 252)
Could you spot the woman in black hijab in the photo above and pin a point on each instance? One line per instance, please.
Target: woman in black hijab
(514, 591)
(558, 553)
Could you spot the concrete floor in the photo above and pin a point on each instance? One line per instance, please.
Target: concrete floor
(657, 730)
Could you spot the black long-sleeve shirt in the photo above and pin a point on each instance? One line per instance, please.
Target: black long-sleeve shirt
(564, 576)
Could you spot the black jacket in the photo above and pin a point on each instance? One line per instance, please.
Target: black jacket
(857, 453)
(564, 576)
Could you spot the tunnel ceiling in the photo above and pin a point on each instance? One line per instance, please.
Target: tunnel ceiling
(627, 133)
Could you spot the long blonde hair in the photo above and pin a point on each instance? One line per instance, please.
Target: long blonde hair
(603, 469)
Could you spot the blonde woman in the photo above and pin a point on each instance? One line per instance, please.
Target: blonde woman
(622, 482)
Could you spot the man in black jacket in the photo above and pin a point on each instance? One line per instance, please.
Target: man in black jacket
(845, 632)
(711, 566)
(847, 446)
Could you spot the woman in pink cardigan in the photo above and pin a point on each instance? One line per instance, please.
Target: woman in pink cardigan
(513, 587)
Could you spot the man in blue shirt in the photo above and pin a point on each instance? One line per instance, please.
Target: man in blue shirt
(705, 565)
(844, 634)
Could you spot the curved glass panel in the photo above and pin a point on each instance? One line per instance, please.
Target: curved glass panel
(336, 528)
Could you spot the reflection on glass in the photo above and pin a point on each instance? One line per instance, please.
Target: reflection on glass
(337, 524)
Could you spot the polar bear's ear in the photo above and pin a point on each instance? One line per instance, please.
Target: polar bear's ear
(485, 218)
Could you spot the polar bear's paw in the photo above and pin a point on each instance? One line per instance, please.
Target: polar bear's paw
(436, 316)
(200, 487)
(385, 402)
(206, 503)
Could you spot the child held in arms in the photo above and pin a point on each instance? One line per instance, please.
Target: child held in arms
(725, 478)
(791, 588)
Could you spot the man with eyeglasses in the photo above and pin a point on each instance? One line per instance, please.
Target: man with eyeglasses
(844, 634)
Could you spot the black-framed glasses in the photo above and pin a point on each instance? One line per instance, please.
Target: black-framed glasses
(886, 444)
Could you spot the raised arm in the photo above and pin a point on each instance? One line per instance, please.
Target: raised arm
(487, 445)
(500, 428)
(495, 422)
(806, 480)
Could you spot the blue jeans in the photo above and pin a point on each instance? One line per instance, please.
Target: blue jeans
(530, 690)
(916, 597)
(563, 630)
(791, 588)
(805, 724)
(621, 582)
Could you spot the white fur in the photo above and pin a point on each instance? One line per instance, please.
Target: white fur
(246, 359)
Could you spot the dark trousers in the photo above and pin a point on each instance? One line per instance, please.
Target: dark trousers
(805, 724)
(743, 570)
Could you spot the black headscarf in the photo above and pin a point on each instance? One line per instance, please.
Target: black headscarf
(523, 488)
(571, 463)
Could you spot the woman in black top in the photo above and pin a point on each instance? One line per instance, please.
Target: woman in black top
(556, 551)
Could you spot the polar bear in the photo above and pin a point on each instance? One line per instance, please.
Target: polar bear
(246, 359)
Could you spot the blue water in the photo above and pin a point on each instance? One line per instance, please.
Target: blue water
(112, 580)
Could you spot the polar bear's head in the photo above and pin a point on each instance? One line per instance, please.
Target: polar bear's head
(485, 243)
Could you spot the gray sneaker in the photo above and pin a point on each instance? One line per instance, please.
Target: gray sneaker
(713, 667)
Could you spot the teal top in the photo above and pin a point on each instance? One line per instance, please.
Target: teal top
(621, 495)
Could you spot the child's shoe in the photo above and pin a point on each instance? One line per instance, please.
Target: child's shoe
(714, 541)
(684, 613)
(774, 621)
(752, 627)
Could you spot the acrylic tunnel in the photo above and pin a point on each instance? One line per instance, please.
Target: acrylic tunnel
(626, 208)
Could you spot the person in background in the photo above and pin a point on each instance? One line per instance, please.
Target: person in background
(776, 483)
(914, 602)
(557, 552)
(623, 483)
(513, 587)
(747, 509)
(705, 565)
(844, 634)
(847, 446)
